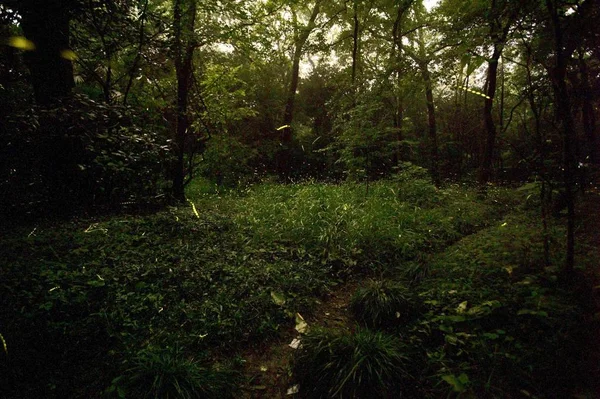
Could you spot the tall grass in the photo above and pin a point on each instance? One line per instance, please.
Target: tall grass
(342, 221)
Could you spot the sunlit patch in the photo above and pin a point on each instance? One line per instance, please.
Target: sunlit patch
(21, 43)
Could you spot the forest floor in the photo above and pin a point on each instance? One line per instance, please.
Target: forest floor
(223, 285)
(268, 368)
(589, 237)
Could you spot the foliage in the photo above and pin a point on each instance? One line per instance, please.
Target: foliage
(381, 304)
(336, 364)
(167, 373)
(112, 286)
(498, 322)
(227, 162)
(79, 153)
(384, 227)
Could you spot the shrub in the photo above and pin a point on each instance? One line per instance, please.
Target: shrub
(167, 373)
(79, 153)
(382, 304)
(337, 364)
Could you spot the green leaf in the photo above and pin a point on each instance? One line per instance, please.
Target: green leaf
(456, 382)
(278, 298)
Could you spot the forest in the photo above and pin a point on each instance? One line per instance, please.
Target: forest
(312, 199)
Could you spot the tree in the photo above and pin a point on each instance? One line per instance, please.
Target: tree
(422, 56)
(500, 18)
(557, 70)
(185, 43)
(301, 35)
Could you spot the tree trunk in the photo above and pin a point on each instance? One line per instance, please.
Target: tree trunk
(184, 53)
(47, 26)
(485, 171)
(432, 130)
(138, 54)
(587, 110)
(396, 59)
(283, 155)
(355, 40)
(558, 74)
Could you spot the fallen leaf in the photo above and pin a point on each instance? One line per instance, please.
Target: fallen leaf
(301, 325)
(293, 390)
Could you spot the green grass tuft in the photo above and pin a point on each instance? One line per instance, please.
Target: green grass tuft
(168, 373)
(366, 364)
(382, 304)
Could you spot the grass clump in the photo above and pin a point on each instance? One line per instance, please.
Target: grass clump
(168, 373)
(333, 364)
(382, 304)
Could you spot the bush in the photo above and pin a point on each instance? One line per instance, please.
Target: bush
(382, 304)
(79, 153)
(365, 364)
(167, 373)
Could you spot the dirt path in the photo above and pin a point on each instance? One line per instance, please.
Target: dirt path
(268, 366)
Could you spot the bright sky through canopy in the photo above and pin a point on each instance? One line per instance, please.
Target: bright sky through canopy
(429, 4)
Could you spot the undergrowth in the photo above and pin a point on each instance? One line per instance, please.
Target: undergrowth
(334, 364)
(235, 273)
(383, 304)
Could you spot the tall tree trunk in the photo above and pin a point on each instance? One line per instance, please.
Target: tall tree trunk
(485, 171)
(499, 29)
(183, 22)
(558, 73)
(283, 155)
(546, 189)
(432, 125)
(106, 88)
(587, 110)
(47, 25)
(138, 54)
(355, 41)
(396, 59)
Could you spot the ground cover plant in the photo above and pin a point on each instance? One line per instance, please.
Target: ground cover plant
(496, 321)
(334, 364)
(234, 272)
(381, 303)
(502, 323)
(162, 298)
(186, 186)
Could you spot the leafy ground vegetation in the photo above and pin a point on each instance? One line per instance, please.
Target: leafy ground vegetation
(169, 304)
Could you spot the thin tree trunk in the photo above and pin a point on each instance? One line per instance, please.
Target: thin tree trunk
(485, 171)
(355, 40)
(499, 30)
(283, 164)
(184, 53)
(431, 120)
(396, 59)
(138, 54)
(558, 74)
(545, 189)
(106, 87)
(587, 110)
